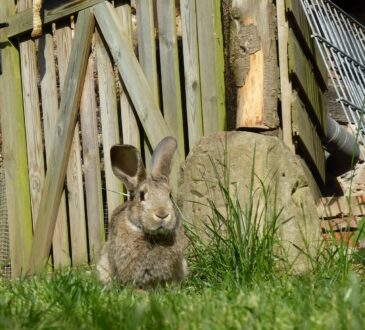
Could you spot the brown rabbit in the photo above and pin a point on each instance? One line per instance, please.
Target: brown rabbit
(146, 239)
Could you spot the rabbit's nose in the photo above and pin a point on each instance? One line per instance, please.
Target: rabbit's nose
(162, 215)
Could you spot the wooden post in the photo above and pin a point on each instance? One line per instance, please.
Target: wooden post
(58, 158)
(253, 57)
(14, 151)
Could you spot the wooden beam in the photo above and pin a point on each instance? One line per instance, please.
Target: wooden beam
(14, 151)
(254, 62)
(22, 22)
(58, 158)
(132, 74)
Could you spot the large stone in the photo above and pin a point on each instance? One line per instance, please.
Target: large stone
(277, 168)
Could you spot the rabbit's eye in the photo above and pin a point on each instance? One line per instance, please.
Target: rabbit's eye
(170, 195)
(141, 195)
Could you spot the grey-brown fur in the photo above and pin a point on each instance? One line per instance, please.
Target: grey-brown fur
(146, 239)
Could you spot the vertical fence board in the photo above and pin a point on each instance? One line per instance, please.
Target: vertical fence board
(61, 145)
(147, 44)
(109, 120)
(130, 129)
(47, 67)
(211, 61)
(285, 85)
(191, 69)
(170, 74)
(147, 53)
(14, 152)
(32, 118)
(74, 179)
(94, 198)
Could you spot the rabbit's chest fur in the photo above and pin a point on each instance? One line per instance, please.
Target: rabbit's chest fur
(134, 258)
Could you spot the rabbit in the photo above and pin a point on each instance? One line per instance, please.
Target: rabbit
(146, 241)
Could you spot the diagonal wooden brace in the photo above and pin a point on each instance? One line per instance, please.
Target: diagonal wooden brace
(59, 155)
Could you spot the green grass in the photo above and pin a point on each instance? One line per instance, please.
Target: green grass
(75, 300)
(238, 280)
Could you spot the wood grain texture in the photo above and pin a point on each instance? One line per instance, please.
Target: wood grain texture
(130, 129)
(22, 22)
(211, 61)
(135, 82)
(285, 84)
(92, 170)
(254, 44)
(170, 74)
(299, 22)
(147, 43)
(61, 146)
(109, 121)
(304, 80)
(33, 126)
(191, 70)
(132, 74)
(14, 152)
(147, 56)
(47, 73)
(305, 133)
(74, 180)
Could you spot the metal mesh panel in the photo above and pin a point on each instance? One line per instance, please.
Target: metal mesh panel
(5, 269)
(341, 41)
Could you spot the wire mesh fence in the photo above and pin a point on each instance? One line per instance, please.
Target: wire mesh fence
(341, 41)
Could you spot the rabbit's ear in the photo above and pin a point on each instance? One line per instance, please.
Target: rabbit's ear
(162, 157)
(127, 165)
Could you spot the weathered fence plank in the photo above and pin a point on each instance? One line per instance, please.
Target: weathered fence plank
(147, 44)
(109, 120)
(211, 61)
(147, 54)
(132, 75)
(191, 70)
(306, 134)
(301, 72)
(170, 74)
(22, 22)
(14, 152)
(47, 73)
(130, 129)
(33, 126)
(61, 146)
(75, 193)
(285, 84)
(93, 192)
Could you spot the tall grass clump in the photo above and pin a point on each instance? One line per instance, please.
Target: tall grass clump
(239, 243)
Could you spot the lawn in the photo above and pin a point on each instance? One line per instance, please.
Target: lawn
(74, 299)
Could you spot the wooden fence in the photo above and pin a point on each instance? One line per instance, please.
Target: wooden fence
(66, 98)
(303, 84)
